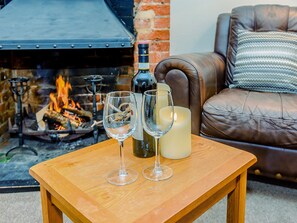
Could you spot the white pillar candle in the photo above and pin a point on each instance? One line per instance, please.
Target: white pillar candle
(163, 86)
(162, 98)
(176, 144)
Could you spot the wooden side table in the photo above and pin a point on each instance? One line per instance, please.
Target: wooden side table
(74, 184)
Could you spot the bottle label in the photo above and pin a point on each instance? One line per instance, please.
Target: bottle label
(143, 66)
(138, 133)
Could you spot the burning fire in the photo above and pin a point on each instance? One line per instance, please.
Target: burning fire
(61, 99)
(63, 105)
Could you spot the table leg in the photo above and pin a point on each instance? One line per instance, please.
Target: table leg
(236, 200)
(50, 213)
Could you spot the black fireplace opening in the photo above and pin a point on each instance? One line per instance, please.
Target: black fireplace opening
(77, 67)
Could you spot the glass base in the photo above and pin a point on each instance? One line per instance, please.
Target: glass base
(122, 179)
(151, 173)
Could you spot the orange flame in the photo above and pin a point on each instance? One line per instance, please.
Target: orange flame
(61, 98)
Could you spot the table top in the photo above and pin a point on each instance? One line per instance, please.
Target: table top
(77, 180)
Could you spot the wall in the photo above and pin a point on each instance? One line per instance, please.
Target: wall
(193, 22)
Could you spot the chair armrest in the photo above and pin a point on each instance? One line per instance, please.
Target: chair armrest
(193, 78)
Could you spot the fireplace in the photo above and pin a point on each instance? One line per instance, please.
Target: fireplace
(76, 58)
(93, 45)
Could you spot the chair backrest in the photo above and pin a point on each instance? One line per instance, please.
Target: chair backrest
(222, 34)
(258, 18)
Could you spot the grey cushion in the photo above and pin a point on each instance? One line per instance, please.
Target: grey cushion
(266, 61)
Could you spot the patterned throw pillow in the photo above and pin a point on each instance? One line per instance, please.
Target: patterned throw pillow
(266, 61)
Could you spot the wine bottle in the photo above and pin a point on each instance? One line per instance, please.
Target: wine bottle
(143, 143)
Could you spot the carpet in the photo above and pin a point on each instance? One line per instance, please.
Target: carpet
(267, 201)
(14, 171)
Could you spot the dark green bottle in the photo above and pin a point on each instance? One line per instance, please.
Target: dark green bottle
(143, 143)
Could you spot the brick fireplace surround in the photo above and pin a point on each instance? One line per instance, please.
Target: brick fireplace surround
(151, 22)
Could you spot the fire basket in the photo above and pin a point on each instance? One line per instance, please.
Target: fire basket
(19, 86)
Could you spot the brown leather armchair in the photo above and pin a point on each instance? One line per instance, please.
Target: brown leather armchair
(262, 123)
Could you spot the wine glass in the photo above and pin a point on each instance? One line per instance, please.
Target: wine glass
(119, 121)
(157, 119)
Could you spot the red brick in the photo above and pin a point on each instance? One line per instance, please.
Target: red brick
(152, 57)
(163, 22)
(160, 10)
(155, 35)
(161, 1)
(152, 1)
(162, 55)
(153, 46)
(156, 57)
(143, 23)
(148, 1)
(152, 67)
(160, 46)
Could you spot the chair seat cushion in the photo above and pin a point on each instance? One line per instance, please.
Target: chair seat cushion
(254, 117)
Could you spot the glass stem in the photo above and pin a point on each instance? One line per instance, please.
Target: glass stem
(157, 169)
(122, 171)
